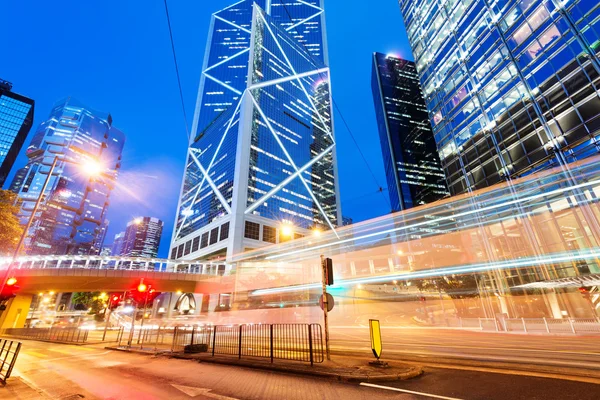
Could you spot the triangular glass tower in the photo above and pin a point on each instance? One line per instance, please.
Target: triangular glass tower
(262, 156)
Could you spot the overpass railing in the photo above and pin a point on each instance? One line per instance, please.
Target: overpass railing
(66, 334)
(292, 342)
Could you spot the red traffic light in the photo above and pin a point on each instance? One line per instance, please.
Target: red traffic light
(11, 281)
(9, 290)
(115, 298)
(142, 287)
(583, 290)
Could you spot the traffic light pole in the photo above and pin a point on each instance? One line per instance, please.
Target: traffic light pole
(107, 319)
(325, 306)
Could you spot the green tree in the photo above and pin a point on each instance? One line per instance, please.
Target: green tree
(92, 301)
(10, 228)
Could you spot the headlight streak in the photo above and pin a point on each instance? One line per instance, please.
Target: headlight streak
(439, 219)
(529, 262)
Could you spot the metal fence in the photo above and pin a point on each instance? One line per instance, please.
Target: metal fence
(294, 342)
(9, 351)
(529, 325)
(65, 335)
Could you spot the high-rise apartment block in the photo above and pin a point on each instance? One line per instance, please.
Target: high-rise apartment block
(140, 239)
(16, 118)
(71, 218)
(261, 167)
(511, 86)
(413, 170)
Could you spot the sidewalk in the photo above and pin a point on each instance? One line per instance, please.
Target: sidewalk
(17, 389)
(342, 368)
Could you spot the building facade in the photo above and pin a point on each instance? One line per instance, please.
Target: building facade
(16, 118)
(140, 239)
(73, 209)
(511, 86)
(261, 167)
(412, 165)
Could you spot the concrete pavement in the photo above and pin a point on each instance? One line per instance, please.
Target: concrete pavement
(70, 372)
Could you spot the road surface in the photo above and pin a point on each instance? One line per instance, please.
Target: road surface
(73, 372)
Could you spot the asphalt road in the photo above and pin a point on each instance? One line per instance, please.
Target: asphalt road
(575, 352)
(72, 372)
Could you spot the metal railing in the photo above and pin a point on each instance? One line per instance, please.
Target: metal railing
(64, 335)
(529, 325)
(9, 351)
(293, 342)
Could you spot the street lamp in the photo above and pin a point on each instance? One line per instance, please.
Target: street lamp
(90, 167)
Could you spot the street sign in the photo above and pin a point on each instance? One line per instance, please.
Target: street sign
(330, 302)
(375, 337)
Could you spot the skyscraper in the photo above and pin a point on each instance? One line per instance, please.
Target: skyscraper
(117, 245)
(261, 164)
(510, 85)
(16, 118)
(413, 170)
(141, 238)
(74, 204)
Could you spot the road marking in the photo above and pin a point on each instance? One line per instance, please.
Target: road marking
(35, 353)
(196, 391)
(408, 391)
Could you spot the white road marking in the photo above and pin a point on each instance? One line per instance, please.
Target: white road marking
(196, 391)
(407, 391)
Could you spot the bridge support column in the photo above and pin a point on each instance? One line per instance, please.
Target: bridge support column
(16, 312)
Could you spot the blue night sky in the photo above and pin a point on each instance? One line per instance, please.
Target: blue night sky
(115, 56)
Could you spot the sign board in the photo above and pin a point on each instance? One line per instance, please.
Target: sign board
(375, 337)
(330, 302)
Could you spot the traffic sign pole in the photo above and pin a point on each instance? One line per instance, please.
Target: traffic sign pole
(325, 307)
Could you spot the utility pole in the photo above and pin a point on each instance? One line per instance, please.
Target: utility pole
(325, 306)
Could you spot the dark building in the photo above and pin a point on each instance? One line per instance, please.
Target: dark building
(413, 170)
(142, 238)
(16, 119)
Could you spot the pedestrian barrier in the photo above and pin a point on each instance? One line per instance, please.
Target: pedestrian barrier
(294, 342)
(530, 325)
(63, 335)
(9, 351)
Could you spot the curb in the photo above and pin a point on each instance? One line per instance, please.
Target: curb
(411, 371)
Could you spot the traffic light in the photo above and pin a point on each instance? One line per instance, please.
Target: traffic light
(114, 301)
(144, 293)
(328, 265)
(10, 289)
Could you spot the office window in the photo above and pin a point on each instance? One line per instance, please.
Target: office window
(174, 253)
(269, 234)
(252, 230)
(224, 231)
(214, 236)
(180, 251)
(188, 247)
(196, 244)
(204, 241)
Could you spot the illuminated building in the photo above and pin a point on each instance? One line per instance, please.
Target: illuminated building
(261, 167)
(16, 118)
(413, 171)
(141, 238)
(74, 204)
(117, 246)
(510, 85)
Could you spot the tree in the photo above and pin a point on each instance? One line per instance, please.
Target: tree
(89, 300)
(10, 228)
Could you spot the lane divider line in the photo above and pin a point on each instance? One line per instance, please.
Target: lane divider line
(408, 391)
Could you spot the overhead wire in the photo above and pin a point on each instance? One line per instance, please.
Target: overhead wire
(187, 129)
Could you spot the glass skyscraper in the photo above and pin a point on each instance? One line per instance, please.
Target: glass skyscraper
(74, 205)
(261, 165)
(511, 86)
(413, 170)
(16, 118)
(141, 238)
